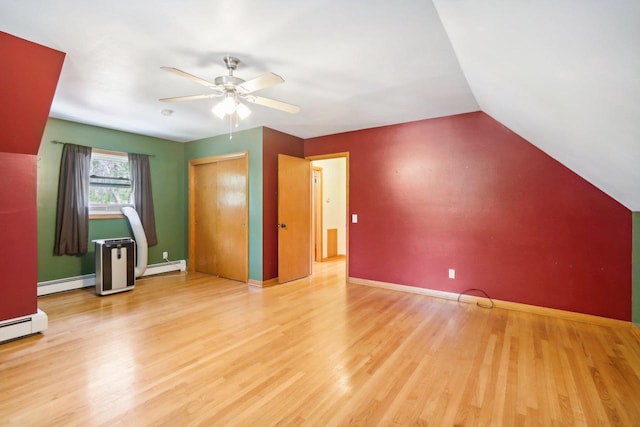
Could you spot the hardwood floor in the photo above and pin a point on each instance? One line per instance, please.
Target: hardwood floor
(198, 350)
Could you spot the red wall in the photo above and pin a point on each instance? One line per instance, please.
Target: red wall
(18, 262)
(464, 192)
(274, 143)
(28, 78)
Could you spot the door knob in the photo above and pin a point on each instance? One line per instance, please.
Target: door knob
(282, 225)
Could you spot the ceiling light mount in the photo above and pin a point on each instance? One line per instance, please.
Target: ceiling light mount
(232, 63)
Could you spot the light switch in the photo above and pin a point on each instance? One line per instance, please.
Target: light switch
(354, 218)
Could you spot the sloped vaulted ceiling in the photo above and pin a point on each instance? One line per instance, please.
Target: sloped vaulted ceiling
(562, 74)
(565, 75)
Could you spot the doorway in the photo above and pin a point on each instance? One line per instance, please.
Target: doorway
(330, 207)
(218, 215)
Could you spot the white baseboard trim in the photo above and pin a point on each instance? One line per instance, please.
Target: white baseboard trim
(508, 305)
(88, 280)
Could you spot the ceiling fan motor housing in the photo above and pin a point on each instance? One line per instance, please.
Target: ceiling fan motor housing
(228, 81)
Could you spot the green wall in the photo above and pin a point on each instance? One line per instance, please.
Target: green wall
(250, 141)
(635, 268)
(167, 176)
(170, 189)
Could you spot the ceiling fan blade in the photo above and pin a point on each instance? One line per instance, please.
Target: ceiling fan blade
(189, 97)
(260, 82)
(272, 103)
(189, 76)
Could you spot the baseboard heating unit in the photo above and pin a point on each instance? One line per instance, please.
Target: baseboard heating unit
(18, 327)
(89, 280)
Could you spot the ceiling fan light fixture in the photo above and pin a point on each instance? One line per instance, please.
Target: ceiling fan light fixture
(219, 110)
(243, 111)
(229, 104)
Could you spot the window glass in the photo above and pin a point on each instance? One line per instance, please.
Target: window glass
(109, 183)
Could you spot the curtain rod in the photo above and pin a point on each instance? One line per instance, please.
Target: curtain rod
(98, 148)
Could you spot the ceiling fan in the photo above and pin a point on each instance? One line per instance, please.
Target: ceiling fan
(233, 89)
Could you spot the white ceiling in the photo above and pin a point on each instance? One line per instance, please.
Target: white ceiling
(565, 75)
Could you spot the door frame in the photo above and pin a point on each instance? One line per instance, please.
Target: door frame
(338, 155)
(316, 207)
(193, 163)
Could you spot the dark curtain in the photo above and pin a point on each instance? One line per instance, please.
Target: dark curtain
(142, 194)
(72, 220)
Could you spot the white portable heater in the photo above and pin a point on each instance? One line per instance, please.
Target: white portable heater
(115, 265)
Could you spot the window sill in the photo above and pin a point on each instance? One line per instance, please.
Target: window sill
(105, 215)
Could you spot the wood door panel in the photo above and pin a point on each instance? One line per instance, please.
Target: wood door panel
(205, 206)
(218, 216)
(231, 219)
(294, 211)
(332, 242)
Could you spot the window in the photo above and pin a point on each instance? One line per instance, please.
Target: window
(109, 183)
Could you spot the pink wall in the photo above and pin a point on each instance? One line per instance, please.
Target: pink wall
(273, 143)
(464, 192)
(28, 78)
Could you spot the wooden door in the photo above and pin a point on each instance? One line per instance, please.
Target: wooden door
(231, 219)
(218, 216)
(204, 201)
(294, 218)
(332, 242)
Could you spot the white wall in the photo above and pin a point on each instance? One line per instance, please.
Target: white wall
(334, 200)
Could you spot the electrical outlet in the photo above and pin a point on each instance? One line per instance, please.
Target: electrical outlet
(452, 273)
(165, 255)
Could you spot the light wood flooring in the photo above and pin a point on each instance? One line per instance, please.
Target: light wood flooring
(198, 350)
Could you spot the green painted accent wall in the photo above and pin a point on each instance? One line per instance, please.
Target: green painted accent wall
(251, 142)
(635, 268)
(167, 176)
